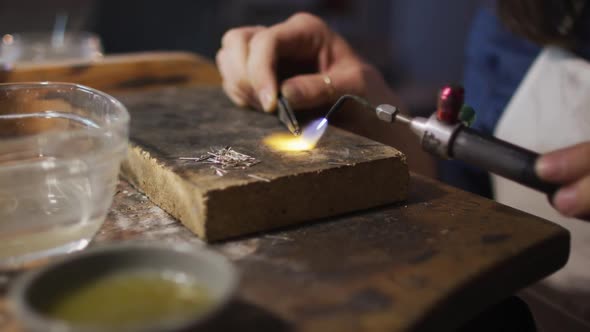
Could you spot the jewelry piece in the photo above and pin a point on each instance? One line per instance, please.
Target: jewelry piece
(331, 90)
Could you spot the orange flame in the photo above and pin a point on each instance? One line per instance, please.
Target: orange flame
(305, 142)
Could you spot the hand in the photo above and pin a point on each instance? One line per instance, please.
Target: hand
(250, 60)
(569, 167)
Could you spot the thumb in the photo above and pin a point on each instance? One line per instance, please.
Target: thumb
(311, 90)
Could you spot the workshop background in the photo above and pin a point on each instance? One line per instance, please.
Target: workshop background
(418, 44)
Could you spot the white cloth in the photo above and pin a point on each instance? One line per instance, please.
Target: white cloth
(551, 110)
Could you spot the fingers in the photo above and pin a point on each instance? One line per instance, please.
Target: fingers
(306, 91)
(313, 90)
(302, 36)
(249, 57)
(570, 166)
(566, 165)
(574, 200)
(260, 68)
(231, 61)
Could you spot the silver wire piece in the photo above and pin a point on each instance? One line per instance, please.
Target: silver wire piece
(225, 159)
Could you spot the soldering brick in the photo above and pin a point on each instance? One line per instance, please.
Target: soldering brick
(344, 173)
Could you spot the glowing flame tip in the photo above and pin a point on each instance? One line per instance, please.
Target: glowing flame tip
(322, 124)
(308, 139)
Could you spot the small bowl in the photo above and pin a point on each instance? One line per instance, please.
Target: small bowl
(62, 146)
(45, 47)
(38, 288)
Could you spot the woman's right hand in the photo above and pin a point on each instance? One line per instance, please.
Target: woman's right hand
(249, 57)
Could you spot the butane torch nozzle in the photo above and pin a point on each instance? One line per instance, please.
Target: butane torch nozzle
(389, 113)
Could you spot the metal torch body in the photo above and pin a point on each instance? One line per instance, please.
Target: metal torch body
(444, 135)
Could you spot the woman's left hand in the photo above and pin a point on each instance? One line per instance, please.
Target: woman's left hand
(569, 167)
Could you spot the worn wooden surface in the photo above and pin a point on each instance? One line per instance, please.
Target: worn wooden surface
(115, 73)
(429, 264)
(344, 173)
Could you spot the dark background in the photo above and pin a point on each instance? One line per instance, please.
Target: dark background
(417, 44)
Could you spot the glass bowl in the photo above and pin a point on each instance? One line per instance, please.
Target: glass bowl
(38, 47)
(61, 146)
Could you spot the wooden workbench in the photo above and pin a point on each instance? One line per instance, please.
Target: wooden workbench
(430, 263)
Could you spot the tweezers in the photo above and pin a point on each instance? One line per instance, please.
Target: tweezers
(287, 116)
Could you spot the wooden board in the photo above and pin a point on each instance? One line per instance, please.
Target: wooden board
(344, 173)
(429, 264)
(125, 72)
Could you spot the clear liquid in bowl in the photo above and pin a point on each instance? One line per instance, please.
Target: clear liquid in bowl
(47, 210)
(55, 220)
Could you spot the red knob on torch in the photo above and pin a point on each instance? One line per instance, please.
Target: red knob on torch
(450, 101)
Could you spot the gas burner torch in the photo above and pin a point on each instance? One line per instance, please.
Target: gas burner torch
(446, 134)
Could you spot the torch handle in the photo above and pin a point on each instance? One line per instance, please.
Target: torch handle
(499, 157)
